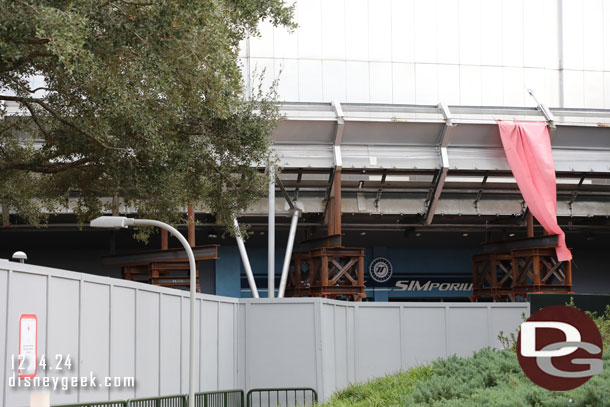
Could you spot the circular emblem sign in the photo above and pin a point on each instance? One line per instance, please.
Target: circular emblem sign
(560, 348)
(380, 269)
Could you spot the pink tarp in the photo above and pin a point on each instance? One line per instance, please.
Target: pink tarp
(528, 149)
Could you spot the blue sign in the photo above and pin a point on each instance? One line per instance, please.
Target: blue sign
(403, 284)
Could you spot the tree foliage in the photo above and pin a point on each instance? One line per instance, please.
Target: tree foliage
(141, 100)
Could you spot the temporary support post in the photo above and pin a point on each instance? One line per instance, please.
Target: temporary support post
(191, 225)
(334, 208)
(271, 235)
(529, 218)
(333, 205)
(568, 279)
(164, 239)
(286, 266)
(244, 259)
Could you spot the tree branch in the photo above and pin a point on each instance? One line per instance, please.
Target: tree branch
(35, 119)
(37, 41)
(135, 3)
(60, 118)
(8, 127)
(107, 3)
(131, 3)
(40, 88)
(51, 168)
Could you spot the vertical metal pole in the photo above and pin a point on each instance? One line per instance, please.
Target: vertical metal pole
(244, 259)
(560, 52)
(286, 265)
(271, 235)
(192, 327)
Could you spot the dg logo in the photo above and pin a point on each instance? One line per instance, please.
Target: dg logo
(560, 348)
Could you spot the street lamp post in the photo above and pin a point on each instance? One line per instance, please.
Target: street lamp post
(123, 222)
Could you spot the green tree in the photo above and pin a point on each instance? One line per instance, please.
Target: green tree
(141, 100)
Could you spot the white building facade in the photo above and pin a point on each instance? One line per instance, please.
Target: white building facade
(461, 52)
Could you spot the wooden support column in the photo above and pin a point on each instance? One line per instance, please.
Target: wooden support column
(516, 279)
(164, 239)
(536, 266)
(529, 218)
(493, 269)
(191, 226)
(568, 279)
(334, 209)
(324, 270)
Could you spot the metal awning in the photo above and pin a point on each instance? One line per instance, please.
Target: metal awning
(414, 161)
(409, 137)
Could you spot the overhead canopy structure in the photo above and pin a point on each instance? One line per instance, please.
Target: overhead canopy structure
(436, 166)
(428, 166)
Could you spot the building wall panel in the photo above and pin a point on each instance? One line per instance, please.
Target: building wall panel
(341, 49)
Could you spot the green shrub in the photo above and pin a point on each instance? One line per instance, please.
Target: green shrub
(387, 391)
(489, 378)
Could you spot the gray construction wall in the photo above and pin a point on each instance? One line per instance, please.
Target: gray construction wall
(113, 327)
(329, 344)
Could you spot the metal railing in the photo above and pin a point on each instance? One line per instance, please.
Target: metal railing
(119, 403)
(225, 398)
(178, 400)
(282, 397)
(271, 397)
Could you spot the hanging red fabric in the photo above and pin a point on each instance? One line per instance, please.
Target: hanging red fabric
(528, 149)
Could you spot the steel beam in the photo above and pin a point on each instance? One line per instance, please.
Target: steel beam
(438, 188)
(530, 242)
(283, 189)
(380, 191)
(446, 114)
(271, 235)
(293, 230)
(298, 185)
(340, 123)
(170, 255)
(244, 258)
(445, 138)
(546, 112)
(322, 241)
(329, 189)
